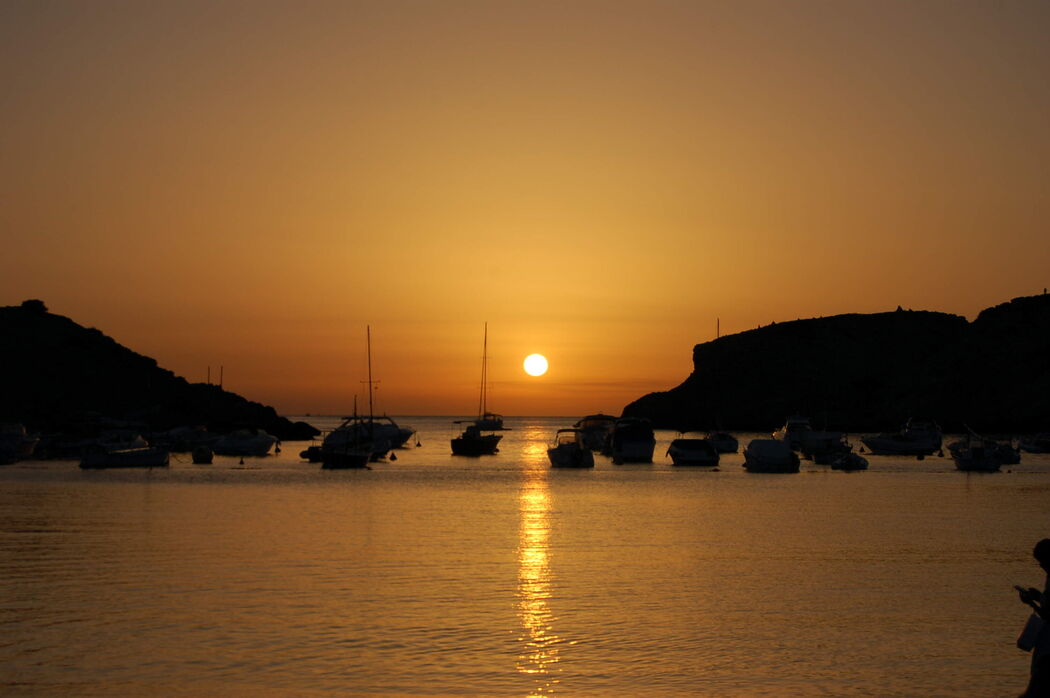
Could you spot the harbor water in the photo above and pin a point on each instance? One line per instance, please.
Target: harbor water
(435, 574)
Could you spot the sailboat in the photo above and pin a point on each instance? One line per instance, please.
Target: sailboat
(351, 444)
(472, 442)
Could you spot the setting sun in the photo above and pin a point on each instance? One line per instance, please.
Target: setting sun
(535, 364)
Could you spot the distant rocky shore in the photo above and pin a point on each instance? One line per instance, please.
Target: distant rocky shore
(871, 372)
(62, 377)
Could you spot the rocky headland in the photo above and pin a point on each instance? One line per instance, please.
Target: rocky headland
(62, 377)
(871, 372)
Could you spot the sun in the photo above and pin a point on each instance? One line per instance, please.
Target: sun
(535, 364)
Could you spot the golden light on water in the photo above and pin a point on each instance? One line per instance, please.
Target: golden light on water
(539, 643)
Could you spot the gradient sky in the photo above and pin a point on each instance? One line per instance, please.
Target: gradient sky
(249, 184)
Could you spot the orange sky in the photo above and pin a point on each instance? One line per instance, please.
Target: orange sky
(251, 183)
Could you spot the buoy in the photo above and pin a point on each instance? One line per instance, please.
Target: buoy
(418, 444)
(393, 456)
(242, 460)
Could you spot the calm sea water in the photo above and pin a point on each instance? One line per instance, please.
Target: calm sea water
(436, 574)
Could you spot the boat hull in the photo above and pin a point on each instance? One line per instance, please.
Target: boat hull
(694, 452)
(345, 460)
(770, 456)
(476, 446)
(570, 456)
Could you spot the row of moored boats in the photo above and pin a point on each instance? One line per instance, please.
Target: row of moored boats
(632, 440)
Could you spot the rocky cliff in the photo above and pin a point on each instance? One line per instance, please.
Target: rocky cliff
(871, 372)
(60, 376)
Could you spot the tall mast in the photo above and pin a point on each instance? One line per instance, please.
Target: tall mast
(368, 330)
(484, 373)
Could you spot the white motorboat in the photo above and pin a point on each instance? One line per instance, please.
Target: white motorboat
(244, 442)
(770, 456)
(568, 452)
(699, 452)
(916, 438)
(356, 430)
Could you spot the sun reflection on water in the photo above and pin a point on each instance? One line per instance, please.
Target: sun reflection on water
(539, 652)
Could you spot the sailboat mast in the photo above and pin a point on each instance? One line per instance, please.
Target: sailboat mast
(484, 372)
(368, 331)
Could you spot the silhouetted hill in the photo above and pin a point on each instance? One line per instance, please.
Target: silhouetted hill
(871, 372)
(59, 375)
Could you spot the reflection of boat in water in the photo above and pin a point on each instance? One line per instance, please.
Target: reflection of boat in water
(244, 442)
(915, 438)
(472, 442)
(700, 452)
(723, 441)
(770, 456)
(15, 443)
(976, 454)
(593, 430)
(794, 431)
(632, 441)
(126, 458)
(567, 452)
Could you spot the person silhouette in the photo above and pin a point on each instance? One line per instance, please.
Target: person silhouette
(1039, 681)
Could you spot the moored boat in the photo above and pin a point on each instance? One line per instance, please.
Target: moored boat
(917, 437)
(975, 454)
(244, 442)
(15, 443)
(593, 430)
(795, 430)
(631, 441)
(848, 460)
(770, 456)
(568, 452)
(723, 441)
(1038, 443)
(472, 442)
(698, 452)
